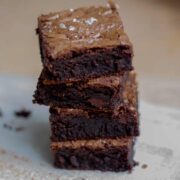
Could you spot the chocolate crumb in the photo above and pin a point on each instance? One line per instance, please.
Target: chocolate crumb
(18, 129)
(1, 114)
(136, 163)
(7, 126)
(80, 178)
(23, 113)
(20, 158)
(2, 151)
(144, 166)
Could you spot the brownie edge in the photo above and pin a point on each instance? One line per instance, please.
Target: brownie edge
(102, 154)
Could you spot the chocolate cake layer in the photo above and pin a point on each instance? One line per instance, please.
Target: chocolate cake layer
(73, 124)
(103, 93)
(102, 154)
(84, 43)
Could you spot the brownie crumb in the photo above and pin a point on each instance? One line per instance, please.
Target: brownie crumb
(1, 114)
(144, 166)
(21, 158)
(24, 113)
(2, 151)
(7, 126)
(136, 163)
(18, 129)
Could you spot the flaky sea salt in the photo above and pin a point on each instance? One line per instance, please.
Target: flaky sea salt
(62, 26)
(90, 21)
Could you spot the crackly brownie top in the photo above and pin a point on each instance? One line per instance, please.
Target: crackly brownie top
(82, 28)
(99, 143)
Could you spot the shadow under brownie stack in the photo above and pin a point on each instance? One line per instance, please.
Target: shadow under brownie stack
(90, 86)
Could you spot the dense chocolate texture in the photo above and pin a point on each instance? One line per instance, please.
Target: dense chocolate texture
(103, 93)
(105, 155)
(84, 43)
(73, 124)
(94, 125)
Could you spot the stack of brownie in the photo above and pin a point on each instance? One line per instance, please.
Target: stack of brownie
(90, 86)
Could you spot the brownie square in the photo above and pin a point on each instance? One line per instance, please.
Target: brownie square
(102, 154)
(84, 43)
(73, 124)
(104, 93)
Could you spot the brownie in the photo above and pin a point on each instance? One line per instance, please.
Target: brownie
(84, 43)
(73, 124)
(102, 154)
(88, 125)
(104, 93)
